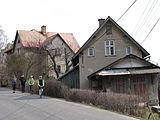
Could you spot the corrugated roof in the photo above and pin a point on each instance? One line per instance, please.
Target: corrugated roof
(128, 72)
(34, 38)
(110, 66)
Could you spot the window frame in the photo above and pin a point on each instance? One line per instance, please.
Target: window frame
(109, 46)
(90, 48)
(59, 68)
(127, 53)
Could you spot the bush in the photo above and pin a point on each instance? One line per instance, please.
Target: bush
(56, 89)
(127, 104)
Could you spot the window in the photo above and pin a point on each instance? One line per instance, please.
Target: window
(128, 50)
(108, 30)
(82, 59)
(59, 68)
(56, 52)
(90, 51)
(109, 48)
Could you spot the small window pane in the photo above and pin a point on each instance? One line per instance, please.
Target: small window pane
(111, 42)
(107, 42)
(59, 68)
(128, 50)
(107, 50)
(90, 52)
(112, 50)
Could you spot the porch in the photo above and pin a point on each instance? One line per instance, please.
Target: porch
(143, 82)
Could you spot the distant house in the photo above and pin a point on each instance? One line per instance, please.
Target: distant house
(32, 42)
(112, 61)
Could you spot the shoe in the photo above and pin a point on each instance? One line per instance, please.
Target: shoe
(13, 91)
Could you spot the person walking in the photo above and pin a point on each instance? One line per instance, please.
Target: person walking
(41, 85)
(23, 82)
(30, 82)
(14, 80)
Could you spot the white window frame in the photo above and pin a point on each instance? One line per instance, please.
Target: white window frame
(109, 46)
(127, 52)
(89, 54)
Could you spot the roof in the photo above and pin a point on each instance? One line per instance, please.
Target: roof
(120, 28)
(70, 42)
(35, 38)
(128, 72)
(68, 72)
(110, 66)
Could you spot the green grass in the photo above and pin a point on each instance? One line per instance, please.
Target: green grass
(156, 116)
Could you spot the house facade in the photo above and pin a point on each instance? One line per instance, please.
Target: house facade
(39, 44)
(110, 44)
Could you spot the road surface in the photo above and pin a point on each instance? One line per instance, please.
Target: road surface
(23, 106)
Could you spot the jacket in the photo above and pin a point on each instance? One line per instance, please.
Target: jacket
(30, 81)
(41, 83)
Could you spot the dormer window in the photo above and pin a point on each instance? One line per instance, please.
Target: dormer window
(91, 51)
(128, 50)
(109, 48)
(108, 29)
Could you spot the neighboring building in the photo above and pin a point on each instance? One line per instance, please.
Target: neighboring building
(36, 43)
(3, 73)
(111, 60)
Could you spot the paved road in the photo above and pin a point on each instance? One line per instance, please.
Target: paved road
(18, 106)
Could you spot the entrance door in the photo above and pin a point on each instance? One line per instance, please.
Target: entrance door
(139, 85)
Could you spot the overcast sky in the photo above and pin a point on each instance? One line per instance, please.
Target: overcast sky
(80, 17)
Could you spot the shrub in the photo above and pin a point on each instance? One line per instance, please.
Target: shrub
(56, 89)
(128, 104)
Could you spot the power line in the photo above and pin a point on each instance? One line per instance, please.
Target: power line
(127, 10)
(150, 30)
(145, 19)
(141, 17)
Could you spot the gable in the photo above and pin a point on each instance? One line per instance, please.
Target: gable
(56, 41)
(131, 63)
(34, 38)
(94, 37)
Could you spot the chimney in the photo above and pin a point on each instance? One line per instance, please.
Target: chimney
(101, 21)
(43, 29)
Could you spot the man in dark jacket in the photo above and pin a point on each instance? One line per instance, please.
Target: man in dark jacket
(14, 80)
(23, 82)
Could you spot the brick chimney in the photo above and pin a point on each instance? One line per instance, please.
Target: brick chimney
(101, 21)
(43, 30)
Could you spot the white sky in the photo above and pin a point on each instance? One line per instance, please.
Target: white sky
(80, 17)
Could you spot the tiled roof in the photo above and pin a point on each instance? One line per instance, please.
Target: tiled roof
(34, 38)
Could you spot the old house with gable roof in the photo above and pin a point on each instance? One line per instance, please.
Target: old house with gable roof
(35, 42)
(112, 61)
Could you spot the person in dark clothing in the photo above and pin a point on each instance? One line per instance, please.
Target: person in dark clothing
(14, 80)
(23, 82)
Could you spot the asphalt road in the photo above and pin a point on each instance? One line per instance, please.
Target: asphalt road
(18, 106)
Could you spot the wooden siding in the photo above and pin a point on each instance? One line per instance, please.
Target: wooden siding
(145, 86)
(71, 79)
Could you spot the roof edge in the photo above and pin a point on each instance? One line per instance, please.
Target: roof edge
(100, 27)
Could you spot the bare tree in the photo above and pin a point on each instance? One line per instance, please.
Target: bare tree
(67, 57)
(19, 64)
(3, 38)
(63, 54)
(53, 53)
